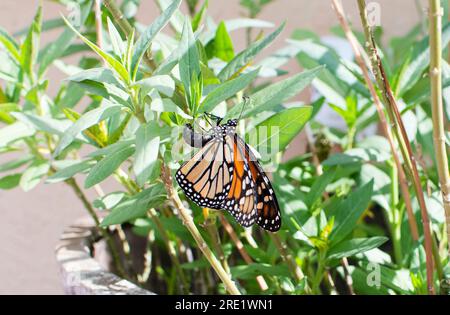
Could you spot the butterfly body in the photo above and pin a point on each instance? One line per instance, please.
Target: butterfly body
(225, 174)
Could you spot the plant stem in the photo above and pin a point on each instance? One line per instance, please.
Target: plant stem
(402, 137)
(98, 22)
(115, 255)
(190, 225)
(437, 109)
(394, 216)
(292, 265)
(172, 252)
(320, 272)
(229, 229)
(383, 121)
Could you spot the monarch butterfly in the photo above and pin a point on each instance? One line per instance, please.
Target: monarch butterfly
(225, 174)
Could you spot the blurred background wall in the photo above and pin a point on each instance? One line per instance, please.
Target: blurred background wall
(30, 223)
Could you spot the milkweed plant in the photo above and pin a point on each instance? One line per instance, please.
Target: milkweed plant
(362, 210)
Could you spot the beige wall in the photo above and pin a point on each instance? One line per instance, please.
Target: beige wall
(30, 223)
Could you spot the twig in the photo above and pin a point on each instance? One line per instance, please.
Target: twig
(292, 265)
(383, 121)
(402, 137)
(229, 229)
(190, 225)
(436, 12)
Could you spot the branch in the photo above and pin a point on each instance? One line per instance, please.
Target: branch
(383, 121)
(402, 137)
(190, 225)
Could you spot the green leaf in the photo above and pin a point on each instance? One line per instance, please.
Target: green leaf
(10, 181)
(43, 123)
(109, 201)
(16, 163)
(189, 63)
(116, 39)
(14, 132)
(5, 110)
(348, 211)
(30, 46)
(57, 48)
(146, 38)
(198, 18)
(101, 75)
(10, 44)
(244, 57)
(227, 90)
(222, 46)
(33, 175)
(162, 83)
(177, 18)
(107, 166)
(89, 119)
(269, 98)
(70, 171)
(417, 61)
(113, 148)
(355, 246)
(113, 62)
(136, 206)
(275, 133)
(319, 186)
(147, 149)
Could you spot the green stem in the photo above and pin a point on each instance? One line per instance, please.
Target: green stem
(402, 137)
(437, 108)
(320, 272)
(394, 216)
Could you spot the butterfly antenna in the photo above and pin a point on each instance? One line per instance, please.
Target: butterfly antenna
(245, 99)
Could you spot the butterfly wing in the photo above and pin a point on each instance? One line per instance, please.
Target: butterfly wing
(206, 178)
(268, 214)
(241, 198)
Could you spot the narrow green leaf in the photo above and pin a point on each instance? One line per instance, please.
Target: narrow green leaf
(42, 123)
(116, 39)
(113, 62)
(319, 186)
(30, 47)
(162, 83)
(189, 63)
(198, 18)
(33, 175)
(13, 132)
(269, 98)
(101, 75)
(113, 148)
(417, 61)
(70, 171)
(348, 211)
(16, 163)
(147, 149)
(57, 48)
(355, 246)
(10, 44)
(107, 166)
(146, 38)
(89, 119)
(244, 57)
(227, 90)
(136, 206)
